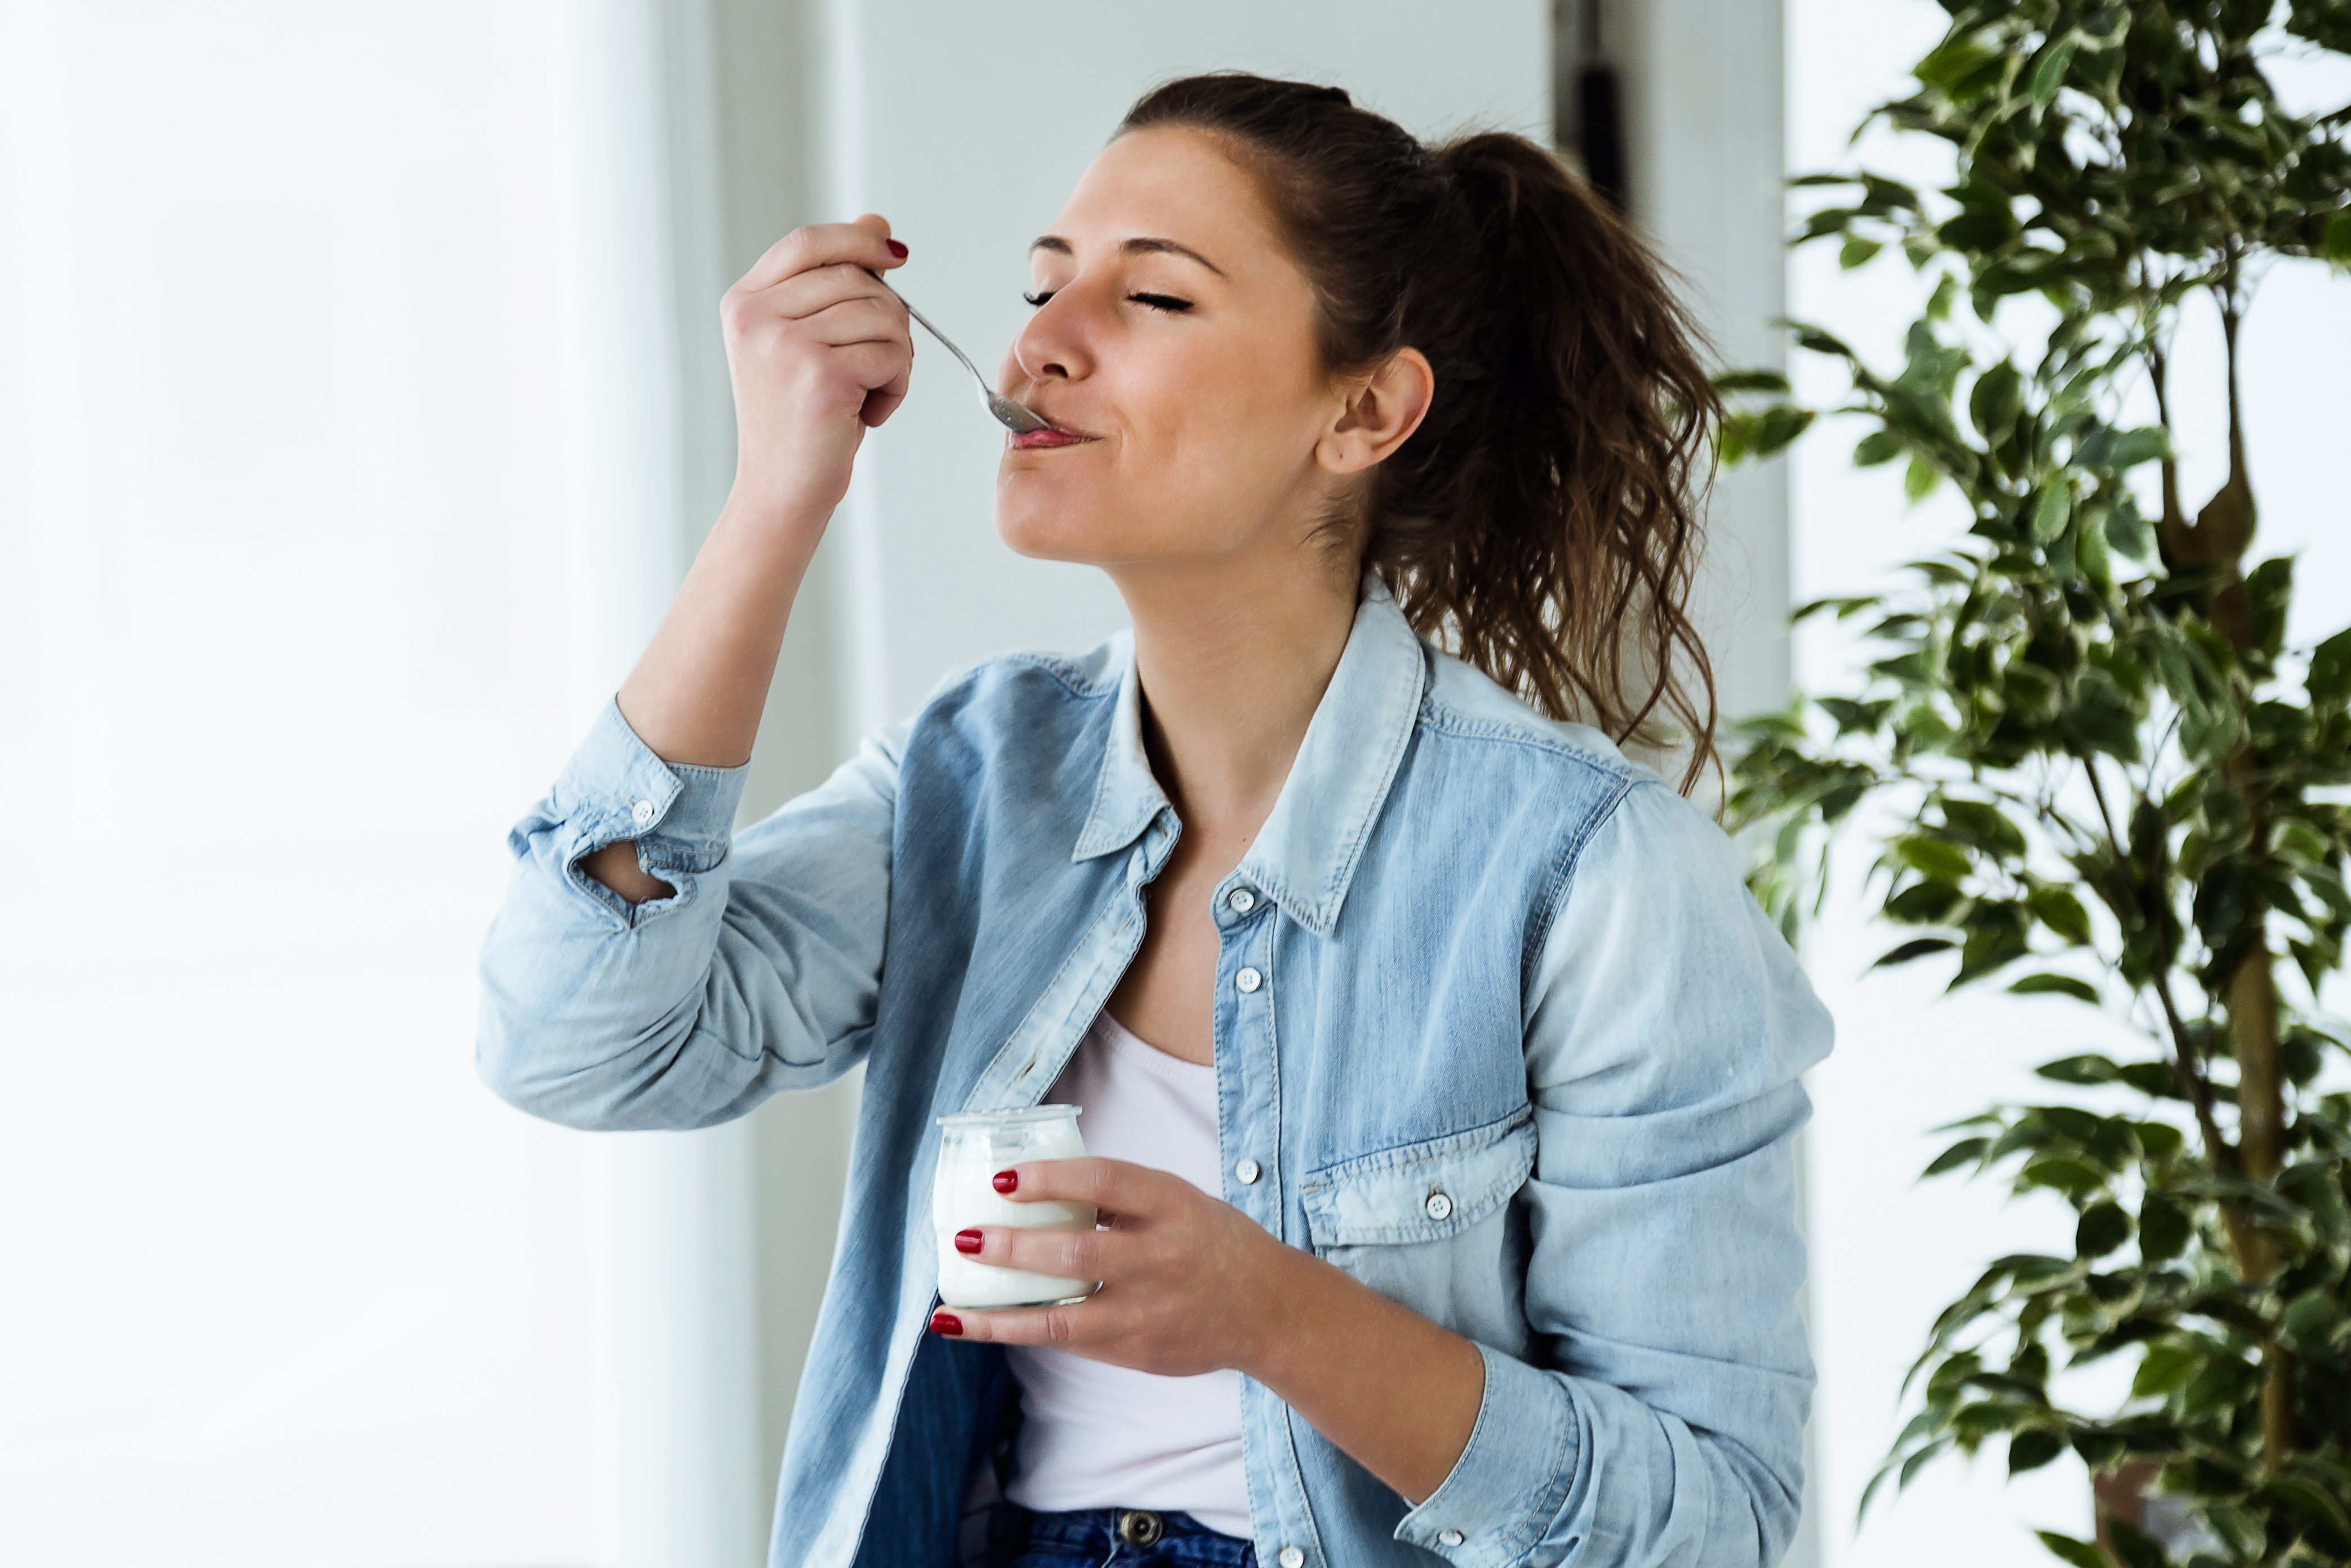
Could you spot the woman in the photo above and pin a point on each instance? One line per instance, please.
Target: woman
(1450, 1074)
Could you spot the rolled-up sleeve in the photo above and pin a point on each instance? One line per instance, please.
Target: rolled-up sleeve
(1659, 1416)
(758, 973)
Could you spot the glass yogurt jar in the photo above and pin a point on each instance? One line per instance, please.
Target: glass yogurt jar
(973, 1147)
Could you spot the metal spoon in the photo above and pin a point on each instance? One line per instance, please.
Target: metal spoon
(1013, 416)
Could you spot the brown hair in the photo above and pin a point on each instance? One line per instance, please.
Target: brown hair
(1541, 518)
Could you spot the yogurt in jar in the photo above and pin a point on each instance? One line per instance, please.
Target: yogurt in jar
(973, 1147)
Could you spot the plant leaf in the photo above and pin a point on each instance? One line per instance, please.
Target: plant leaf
(1918, 947)
(2050, 513)
(2066, 1549)
(2060, 985)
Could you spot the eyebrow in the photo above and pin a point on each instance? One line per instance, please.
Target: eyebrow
(1142, 244)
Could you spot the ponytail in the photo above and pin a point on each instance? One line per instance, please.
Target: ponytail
(1543, 521)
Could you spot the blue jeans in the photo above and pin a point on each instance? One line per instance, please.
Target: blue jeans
(1118, 1538)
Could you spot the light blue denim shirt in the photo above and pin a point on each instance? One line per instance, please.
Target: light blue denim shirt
(1498, 1029)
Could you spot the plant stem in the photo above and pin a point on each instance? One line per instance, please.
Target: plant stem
(2261, 1097)
(2158, 365)
(2254, 1257)
(2252, 991)
(2190, 1074)
(2187, 1069)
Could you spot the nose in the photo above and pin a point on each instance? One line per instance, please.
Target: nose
(1053, 347)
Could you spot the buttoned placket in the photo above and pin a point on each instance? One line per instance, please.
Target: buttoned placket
(1248, 1117)
(1248, 1110)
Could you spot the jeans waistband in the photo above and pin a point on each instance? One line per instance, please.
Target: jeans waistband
(1160, 1538)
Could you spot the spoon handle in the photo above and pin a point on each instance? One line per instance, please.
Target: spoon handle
(943, 338)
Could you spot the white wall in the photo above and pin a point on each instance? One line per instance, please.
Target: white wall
(1702, 111)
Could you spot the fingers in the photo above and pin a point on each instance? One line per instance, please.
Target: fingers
(865, 243)
(883, 401)
(1115, 1184)
(860, 321)
(1084, 1323)
(810, 293)
(1104, 1255)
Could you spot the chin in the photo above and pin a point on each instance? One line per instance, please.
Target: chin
(1045, 534)
(1048, 521)
(1082, 520)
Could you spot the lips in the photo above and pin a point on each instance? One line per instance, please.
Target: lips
(1053, 435)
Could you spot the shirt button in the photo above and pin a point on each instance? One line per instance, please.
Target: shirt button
(642, 813)
(1248, 1170)
(1242, 900)
(1249, 980)
(1450, 1538)
(1290, 1557)
(1438, 1207)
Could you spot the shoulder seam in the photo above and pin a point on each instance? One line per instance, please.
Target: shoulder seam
(1451, 722)
(1563, 877)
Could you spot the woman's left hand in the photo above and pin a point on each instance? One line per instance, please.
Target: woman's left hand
(1186, 1278)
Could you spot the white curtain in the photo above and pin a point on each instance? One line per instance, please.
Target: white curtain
(339, 480)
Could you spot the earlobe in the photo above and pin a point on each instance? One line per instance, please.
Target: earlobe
(1342, 449)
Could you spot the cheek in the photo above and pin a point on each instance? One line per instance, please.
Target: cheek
(1208, 443)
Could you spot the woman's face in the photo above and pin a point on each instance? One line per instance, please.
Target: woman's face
(1176, 342)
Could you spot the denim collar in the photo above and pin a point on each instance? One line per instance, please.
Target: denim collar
(1306, 853)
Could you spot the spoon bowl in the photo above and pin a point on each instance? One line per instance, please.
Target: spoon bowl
(1015, 417)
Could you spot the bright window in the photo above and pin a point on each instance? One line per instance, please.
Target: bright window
(280, 570)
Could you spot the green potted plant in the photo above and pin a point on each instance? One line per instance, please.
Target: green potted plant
(2091, 765)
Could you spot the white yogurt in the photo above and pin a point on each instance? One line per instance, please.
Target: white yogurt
(973, 1148)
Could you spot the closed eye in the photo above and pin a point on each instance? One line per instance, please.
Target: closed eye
(1167, 302)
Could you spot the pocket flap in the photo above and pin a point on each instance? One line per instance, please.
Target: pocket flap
(1423, 1191)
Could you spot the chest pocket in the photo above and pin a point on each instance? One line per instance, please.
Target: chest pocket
(1426, 1191)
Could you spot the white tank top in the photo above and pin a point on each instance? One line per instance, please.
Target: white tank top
(1098, 1436)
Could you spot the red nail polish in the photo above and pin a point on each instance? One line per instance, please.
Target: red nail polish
(1004, 1181)
(967, 1240)
(947, 1324)
(897, 249)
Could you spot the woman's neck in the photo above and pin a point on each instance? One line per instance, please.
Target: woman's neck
(1233, 656)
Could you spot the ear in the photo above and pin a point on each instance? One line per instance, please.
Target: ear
(1380, 411)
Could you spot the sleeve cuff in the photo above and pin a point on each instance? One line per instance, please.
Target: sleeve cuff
(614, 788)
(1513, 1475)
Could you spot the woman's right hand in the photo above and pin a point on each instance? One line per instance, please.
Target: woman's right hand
(818, 351)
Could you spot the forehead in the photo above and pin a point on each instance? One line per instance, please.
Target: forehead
(1175, 184)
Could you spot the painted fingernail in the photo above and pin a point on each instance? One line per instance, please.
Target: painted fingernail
(947, 1324)
(967, 1240)
(1004, 1181)
(897, 249)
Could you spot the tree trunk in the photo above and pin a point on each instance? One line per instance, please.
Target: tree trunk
(2261, 1128)
(2224, 531)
